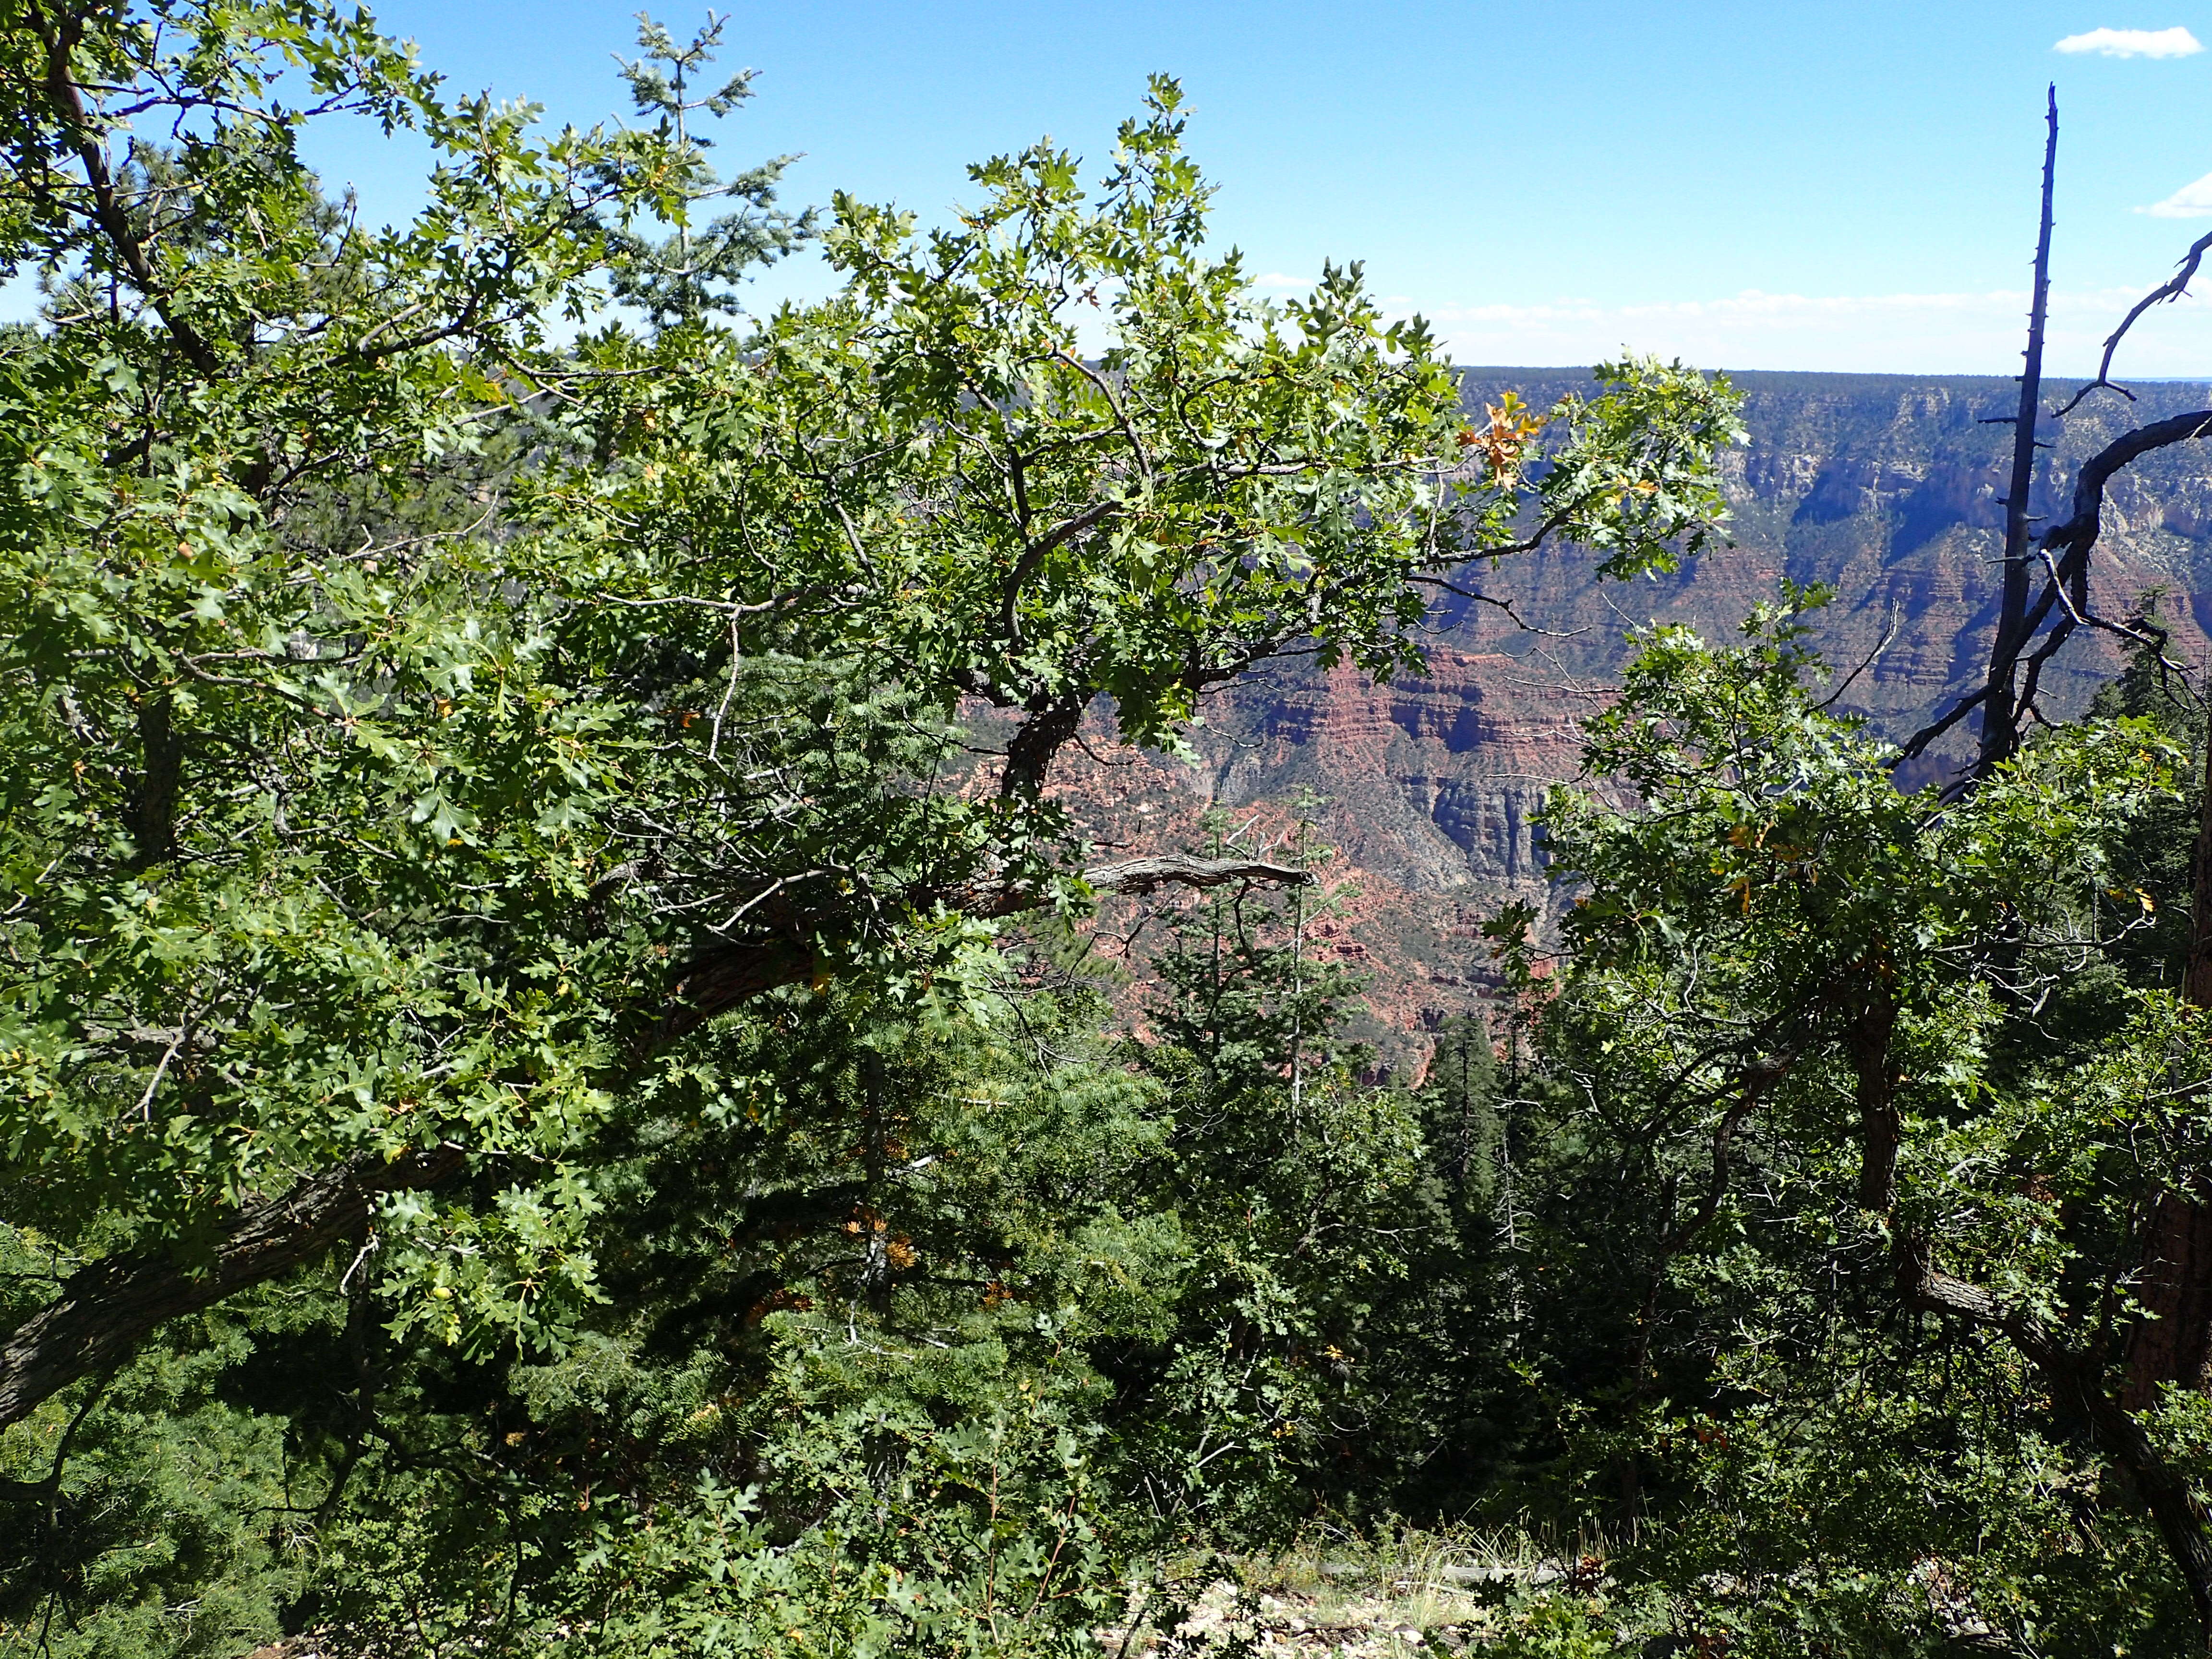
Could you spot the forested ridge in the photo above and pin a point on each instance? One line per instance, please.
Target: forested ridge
(563, 1087)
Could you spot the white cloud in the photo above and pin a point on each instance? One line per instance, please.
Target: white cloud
(2176, 42)
(2192, 201)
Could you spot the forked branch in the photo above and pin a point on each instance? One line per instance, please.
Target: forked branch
(2173, 289)
(2065, 551)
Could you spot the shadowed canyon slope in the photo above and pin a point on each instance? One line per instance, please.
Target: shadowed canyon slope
(1887, 487)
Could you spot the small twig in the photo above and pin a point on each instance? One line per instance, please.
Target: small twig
(1506, 605)
(728, 607)
(1872, 657)
(146, 1101)
(729, 691)
(368, 1248)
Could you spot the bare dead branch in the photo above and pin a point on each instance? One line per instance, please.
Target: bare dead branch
(2000, 733)
(2077, 537)
(1146, 875)
(1497, 604)
(2173, 289)
(1888, 638)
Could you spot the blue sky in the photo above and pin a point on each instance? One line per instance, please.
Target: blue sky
(1778, 185)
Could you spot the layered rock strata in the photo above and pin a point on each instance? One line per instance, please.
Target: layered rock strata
(1883, 487)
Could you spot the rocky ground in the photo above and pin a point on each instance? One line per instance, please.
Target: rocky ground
(1432, 1598)
(1428, 1597)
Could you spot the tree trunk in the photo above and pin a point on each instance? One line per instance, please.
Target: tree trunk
(1867, 1041)
(1036, 743)
(153, 811)
(2175, 1344)
(2001, 713)
(106, 1310)
(2196, 976)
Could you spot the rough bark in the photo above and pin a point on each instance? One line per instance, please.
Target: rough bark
(105, 1310)
(718, 980)
(1867, 1040)
(1181, 869)
(1032, 749)
(153, 797)
(2174, 1344)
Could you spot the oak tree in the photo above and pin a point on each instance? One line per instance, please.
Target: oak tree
(429, 691)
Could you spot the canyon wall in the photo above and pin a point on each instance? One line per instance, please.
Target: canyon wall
(1886, 488)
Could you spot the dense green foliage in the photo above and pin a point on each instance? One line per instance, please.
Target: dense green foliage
(1890, 1078)
(506, 1051)
(526, 805)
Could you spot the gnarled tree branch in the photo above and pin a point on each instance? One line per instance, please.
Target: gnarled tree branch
(2078, 1379)
(718, 980)
(2066, 547)
(2173, 289)
(59, 38)
(105, 1310)
(1147, 875)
